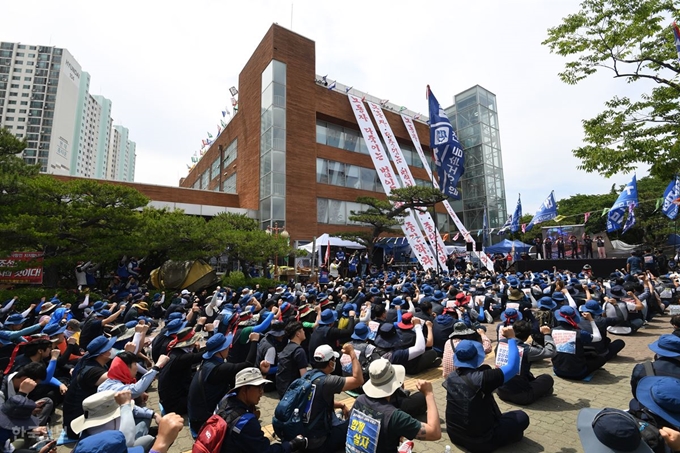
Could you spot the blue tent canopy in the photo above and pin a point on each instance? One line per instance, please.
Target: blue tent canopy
(505, 246)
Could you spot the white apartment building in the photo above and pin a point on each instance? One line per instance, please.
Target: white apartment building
(45, 99)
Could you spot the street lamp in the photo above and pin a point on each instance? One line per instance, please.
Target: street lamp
(277, 231)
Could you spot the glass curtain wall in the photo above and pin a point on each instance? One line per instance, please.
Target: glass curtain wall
(273, 146)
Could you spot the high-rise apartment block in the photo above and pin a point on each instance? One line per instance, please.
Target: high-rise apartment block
(45, 99)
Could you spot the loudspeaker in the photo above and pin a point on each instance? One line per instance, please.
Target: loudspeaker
(468, 246)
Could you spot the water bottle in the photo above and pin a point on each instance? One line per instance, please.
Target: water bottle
(296, 415)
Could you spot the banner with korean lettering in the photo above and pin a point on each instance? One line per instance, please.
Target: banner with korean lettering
(388, 180)
(411, 129)
(406, 177)
(29, 275)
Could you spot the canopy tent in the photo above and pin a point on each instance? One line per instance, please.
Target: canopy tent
(324, 240)
(505, 246)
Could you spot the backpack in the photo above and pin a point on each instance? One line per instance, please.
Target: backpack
(299, 395)
(216, 428)
(649, 430)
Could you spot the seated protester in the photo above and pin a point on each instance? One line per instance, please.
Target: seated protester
(364, 350)
(215, 376)
(122, 375)
(462, 309)
(462, 332)
(544, 316)
(617, 306)
(137, 310)
(525, 388)
(94, 326)
(378, 403)
(239, 410)
(269, 348)
(292, 360)
(508, 318)
(39, 351)
(666, 361)
(13, 327)
(442, 327)
(242, 325)
(610, 430)
(658, 397)
(415, 358)
(88, 374)
(174, 379)
(606, 347)
(159, 345)
(397, 307)
(473, 418)
(110, 411)
(23, 382)
(405, 330)
(16, 417)
(571, 360)
(329, 433)
(326, 333)
(68, 348)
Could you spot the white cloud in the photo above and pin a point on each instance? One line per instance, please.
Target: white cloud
(167, 66)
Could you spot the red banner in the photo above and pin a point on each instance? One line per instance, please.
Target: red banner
(29, 275)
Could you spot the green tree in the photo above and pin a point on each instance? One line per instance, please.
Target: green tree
(631, 40)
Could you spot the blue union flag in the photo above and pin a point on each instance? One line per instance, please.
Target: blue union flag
(448, 154)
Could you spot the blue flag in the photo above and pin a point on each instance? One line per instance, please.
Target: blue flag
(514, 226)
(627, 197)
(630, 221)
(505, 226)
(485, 227)
(547, 211)
(448, 154)
(672, 193)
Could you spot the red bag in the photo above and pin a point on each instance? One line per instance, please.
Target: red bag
(211, 436)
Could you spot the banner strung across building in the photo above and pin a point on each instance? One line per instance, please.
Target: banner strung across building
(29, 275)
(383, 167)
(429, 226)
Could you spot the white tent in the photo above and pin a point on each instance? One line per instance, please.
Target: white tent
(324, 240)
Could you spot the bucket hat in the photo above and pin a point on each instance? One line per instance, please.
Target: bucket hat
(217, 343)
(609, 430)
(565, 312)
(666, 346)
(384, 379)
(328, 316)
(547, 303)
(99, 409)
(661, 395)
(468, 354)
(360, 332)
(387, 337)
(249, 376)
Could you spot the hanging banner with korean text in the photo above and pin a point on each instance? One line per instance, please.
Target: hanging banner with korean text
(388, 180)
(29, 275)
(406, 177)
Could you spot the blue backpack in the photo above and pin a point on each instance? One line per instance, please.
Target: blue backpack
(287, 422)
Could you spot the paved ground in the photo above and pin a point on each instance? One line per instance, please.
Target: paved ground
(553, 419)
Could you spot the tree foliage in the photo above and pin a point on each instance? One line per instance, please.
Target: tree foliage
(632, 40)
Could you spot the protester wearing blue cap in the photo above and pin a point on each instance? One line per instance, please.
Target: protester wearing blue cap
(471, 385)
(94, 326)
(666, 360)
(216, 376)
(571, 361)
(89, 372)
(326, 333)
(606, 347)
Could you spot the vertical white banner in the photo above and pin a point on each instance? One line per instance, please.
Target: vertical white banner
(406, 177)
(411, 128)
(389, 182)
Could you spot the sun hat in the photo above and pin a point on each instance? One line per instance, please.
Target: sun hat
(97, 306)
(249, 376)
(142, 306)
(667, 345)
(325, 353)
(511, 314)
(360, 332)
(174, 326)
(592, 306)
(99, 409)
(661, 395)
(54, 329)
(546, 302)
(468, 354)
(103, 314)
(617, 292)
(17, 411)
(14, 319)
(558, 296)
(217, 343)
(347, 308)
(438, 295)
(384, 379)
(100, 345)
(184, 292)
(461, 329)
(175, 315)
(186, 337)
(398, 301)
(406, 321)
(462, 299)
(304, 310)
(387, 337)
(609, 430)
(565, 312)
(515, 294)
(48, 307)
(328, 316)
(111, 441)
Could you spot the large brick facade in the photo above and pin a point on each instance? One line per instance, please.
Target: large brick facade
(306, 101)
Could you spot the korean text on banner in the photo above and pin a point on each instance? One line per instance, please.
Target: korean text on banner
(448, 153)
(389, 182)
(407, 180)
(29, 275)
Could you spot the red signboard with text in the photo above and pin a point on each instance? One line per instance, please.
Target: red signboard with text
(29, 275)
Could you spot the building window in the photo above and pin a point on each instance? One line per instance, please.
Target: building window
(215, 168)
(230, 154)
(205, 180)
(17, 70)
(229, 185)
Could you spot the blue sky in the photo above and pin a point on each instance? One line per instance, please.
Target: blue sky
(168, 70)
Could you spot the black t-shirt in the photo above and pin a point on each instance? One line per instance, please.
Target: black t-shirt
(290, 361)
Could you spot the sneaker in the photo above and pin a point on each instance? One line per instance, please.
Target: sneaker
(437, 362)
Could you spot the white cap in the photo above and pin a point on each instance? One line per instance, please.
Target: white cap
(325, 353)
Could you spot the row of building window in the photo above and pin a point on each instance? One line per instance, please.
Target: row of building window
(351, 140)
(336, 212)
(352, 176)
(214, 170)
